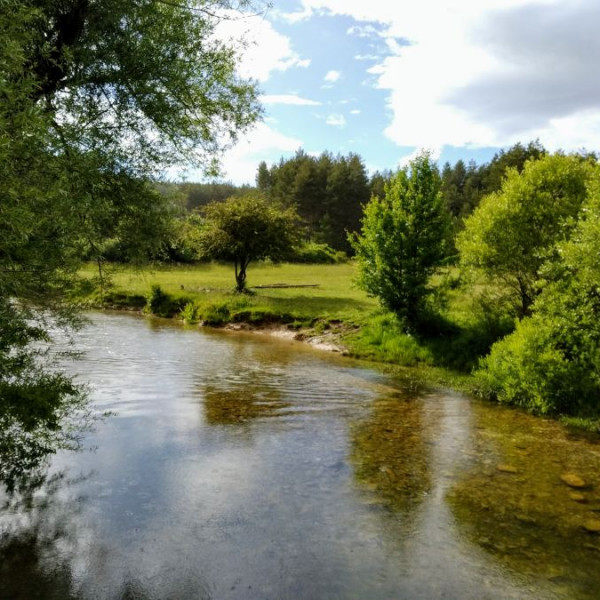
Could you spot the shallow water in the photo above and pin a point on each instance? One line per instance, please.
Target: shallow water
(242, 467)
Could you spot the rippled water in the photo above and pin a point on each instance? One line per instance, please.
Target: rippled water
(241, 467)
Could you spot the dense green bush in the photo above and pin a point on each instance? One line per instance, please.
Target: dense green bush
(551, 363)
(314, 253)
(161, 304)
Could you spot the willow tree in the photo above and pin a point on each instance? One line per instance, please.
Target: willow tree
(96, 98)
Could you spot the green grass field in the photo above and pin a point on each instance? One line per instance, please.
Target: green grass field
(335, 298)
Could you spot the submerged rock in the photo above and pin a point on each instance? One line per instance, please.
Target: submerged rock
(577, 497)
(573, 480)
(507, 469)
(592, 525)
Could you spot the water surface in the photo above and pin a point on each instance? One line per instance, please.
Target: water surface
(241, 467)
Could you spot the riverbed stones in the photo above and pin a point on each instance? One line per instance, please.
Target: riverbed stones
(507, 469)
(573, 480)
(577, 497)
(592, 526)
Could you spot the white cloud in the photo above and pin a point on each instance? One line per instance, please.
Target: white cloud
(367, 57)
(336, 120)
(363, 31)
(471, 73)
(356, 111)
(265, 51)
(240, 163)
(288, 99)
(332, 76)
(406, 159)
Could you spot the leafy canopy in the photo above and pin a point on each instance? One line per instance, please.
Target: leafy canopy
(404, 237)
(247, 228)
(96, 97)
(551, 363)
(513, 232)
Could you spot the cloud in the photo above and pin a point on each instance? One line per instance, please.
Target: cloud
(288, 99)
(549, 67)
(336, 120)
(474, 74)
(363, 31)
(367, 57)
(404, 161)
(240, 163)
(332, 76)
(356, 111)
(265, 50)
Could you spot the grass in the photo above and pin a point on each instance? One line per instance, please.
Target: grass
(335, 298)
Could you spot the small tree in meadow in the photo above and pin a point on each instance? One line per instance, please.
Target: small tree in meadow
(246, 228)
(404, 237)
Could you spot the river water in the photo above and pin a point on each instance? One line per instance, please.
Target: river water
(241, 467)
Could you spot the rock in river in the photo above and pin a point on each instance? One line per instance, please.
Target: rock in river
(572, 480)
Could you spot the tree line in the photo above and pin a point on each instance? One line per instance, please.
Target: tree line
(329, 193)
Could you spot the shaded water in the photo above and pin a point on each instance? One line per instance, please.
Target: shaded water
(241, 467)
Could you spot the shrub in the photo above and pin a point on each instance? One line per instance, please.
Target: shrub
(190, 313)
(161, 304)
(314, 253)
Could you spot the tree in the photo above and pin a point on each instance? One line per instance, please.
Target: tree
(512, 233)
(404, 237)
(96, 98)
(246, 228)
(327, 191)
(551, 363)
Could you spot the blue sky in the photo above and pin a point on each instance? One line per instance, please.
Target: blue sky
(387, 78)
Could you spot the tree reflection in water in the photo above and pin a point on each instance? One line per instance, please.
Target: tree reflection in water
(391, 452)
(48, 551)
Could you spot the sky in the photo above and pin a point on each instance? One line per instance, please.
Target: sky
(386, 79)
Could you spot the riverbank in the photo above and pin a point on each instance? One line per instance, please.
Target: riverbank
(315, 304)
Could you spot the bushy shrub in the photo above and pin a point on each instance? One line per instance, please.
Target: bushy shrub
(551, 363)
(161, 304)
(545, 367)
(314, 253)
(190, 313)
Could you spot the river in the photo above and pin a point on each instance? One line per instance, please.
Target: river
(236, 466)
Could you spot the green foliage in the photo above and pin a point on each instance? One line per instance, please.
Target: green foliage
(404, 238)
(247, 228)
(551, 363)
(161, 304)
(383, 339)
(95, 98)
(190, 313)
(463, 186)
(515, 231)
(328, 192)
(314, 253)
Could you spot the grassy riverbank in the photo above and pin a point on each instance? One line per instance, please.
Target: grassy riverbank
(203, 293)
(334, 310)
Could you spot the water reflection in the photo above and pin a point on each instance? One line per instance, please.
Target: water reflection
(34, 523)
(231, 407)
(238, 468)
(391, 452)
